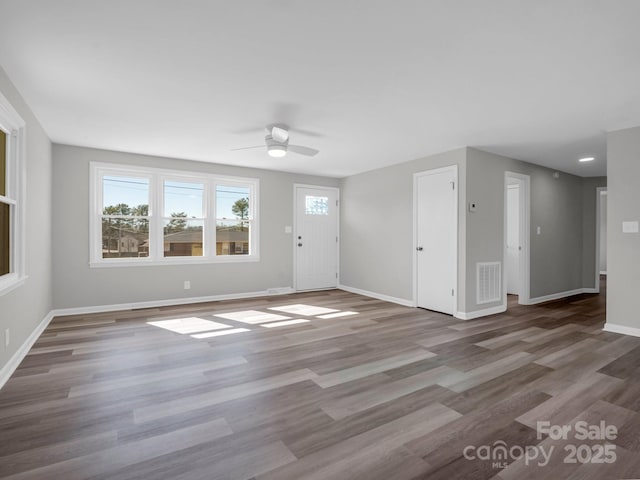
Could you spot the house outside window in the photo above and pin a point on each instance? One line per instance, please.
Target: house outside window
(147, 216)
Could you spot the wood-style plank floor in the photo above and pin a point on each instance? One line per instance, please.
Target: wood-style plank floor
(323, 385)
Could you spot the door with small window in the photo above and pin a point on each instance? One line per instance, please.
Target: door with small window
(316, 238)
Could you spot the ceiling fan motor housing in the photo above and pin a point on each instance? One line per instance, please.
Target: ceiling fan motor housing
(269, 140)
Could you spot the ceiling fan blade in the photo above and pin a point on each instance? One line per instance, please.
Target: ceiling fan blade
(310, 152)
(279, 135)
(308, 133)
(246, 148)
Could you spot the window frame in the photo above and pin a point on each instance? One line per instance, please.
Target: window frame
(166, 177)
(157, 178)
(130, 173)
(15, 177)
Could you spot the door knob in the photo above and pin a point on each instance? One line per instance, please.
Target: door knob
(419, 249)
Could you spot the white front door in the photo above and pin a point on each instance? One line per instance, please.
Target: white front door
(436, 218)
(316, 238)
(513, 239)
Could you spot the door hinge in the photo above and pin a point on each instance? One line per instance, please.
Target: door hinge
(453, 185)
(336, 274)
(452, 292)
(337, 203)
(336, 239)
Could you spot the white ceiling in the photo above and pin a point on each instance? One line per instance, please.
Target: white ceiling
(369, 83)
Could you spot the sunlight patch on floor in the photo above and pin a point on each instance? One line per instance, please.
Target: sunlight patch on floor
(251, 317)
(220, 333)
(306, 310)
(285, 323)
(201, 328)
(337, 315)
(188, 325)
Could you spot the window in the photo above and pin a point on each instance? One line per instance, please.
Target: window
(316, 205)
(183, 219)
(233, 220)
(152, 216)
(11, 203)
(5, 210)
(125, 217)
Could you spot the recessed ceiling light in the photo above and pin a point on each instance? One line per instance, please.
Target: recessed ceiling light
(587, 159)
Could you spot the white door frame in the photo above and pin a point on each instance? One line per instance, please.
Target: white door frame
(295, 229)
(524, 219)
(416, 176)
(599, 192)
(508, 280)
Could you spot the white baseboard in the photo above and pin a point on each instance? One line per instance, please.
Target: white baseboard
(559, 295)
(379, 296)
(170, 302)
(624, 330)
(590, 290)
(480, 313)
(7, 370)
(14, 361)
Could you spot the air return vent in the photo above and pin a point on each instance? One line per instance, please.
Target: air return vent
(488, 282)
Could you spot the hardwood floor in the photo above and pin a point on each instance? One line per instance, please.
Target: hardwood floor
(324, 385)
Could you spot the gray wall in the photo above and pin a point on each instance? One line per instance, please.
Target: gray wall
(22, 309)
(77, 285)
(623, 259)
(377, 226)
(556, 207)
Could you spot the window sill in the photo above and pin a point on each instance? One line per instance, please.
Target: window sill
(12, 282)
(173, 261)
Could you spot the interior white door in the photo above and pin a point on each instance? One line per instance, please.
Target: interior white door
(436, 238)
(603, 232)
(513, 239)
(316, 238)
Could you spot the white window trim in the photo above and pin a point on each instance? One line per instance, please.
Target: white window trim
(12, 123)
(157, 177)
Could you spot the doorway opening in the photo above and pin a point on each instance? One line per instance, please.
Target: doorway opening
(601, 235)
(516, 237)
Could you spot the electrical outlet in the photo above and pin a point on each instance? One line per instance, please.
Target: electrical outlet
(630, 227)
(7, 338)
(187, 284)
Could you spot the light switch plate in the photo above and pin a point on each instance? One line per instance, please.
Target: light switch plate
(630, 227)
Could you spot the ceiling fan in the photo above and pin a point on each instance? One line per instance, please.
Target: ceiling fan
(277, 143)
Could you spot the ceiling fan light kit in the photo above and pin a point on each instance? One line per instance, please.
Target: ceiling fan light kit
(277, 150)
